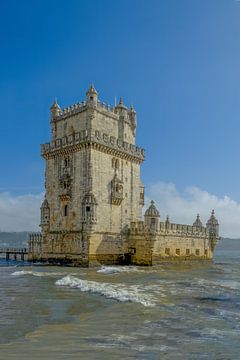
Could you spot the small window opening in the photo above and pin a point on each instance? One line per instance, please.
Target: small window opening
(66, 210)
(197, 252)
(177, 251)
(187, 251)
(88, 208)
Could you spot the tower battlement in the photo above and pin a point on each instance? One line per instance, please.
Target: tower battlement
(93, 137)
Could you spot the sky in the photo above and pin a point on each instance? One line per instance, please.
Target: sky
(177, 61)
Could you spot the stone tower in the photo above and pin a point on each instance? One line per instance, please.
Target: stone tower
(93, 186)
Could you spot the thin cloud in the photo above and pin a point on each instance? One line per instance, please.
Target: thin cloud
(20, 213)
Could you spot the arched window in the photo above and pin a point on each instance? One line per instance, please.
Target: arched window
(66, 210)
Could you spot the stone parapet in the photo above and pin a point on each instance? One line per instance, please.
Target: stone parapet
(94, 137)
(82, 106)
(180, 229)
(139, 227)
(35, 243)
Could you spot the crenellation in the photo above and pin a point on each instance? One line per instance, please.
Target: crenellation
(97, 137)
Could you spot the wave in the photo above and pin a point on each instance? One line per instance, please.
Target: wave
(118, 269)
(36, 273)
(112, 291)
(226, 284)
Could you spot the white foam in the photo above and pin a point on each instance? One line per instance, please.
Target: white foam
(36, 273)
(118, 269)
(118, 292)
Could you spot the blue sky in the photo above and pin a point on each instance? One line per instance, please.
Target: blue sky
(177, 61)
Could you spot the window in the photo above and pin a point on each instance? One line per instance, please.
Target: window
(167, 251)
(66, 162)
(66, 210)
(178, 252)
(197, 252)
(187, 251)
(88, 208)
(153, 221)
(206, 252)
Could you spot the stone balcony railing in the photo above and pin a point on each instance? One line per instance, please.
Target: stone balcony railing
(170, 228)
(95, 137)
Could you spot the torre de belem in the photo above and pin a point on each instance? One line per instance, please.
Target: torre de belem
(92, 211)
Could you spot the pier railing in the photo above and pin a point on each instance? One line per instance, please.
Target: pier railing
(14, 253)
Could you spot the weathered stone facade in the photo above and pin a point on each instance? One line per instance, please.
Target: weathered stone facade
(94, 195)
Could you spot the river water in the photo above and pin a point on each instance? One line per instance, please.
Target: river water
(167, 312)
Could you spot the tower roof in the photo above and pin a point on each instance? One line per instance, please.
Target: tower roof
(91, 90)
(44, 204)
(212, 220)
(152, 210)
(198, 222)
(121, 104)
(55, 105)
(132, 109)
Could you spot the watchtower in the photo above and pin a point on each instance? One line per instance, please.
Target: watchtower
(93, 186)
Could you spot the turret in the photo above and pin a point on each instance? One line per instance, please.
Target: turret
(55, 110)
(89, 210)
(198, 222)
(45, 215)
(121, 109)
(152, 217)
(92, 95)
(132, 118)
(212, 225)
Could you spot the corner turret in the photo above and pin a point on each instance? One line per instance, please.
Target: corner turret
(198, 222)
(132, 118)
(55, 110)
(121, 109)
(152, 217)
(92, 95)
(213, 225)
(45, 215)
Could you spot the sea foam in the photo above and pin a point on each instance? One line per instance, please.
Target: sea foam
(36, 273)
(118, 292)
(118, 269)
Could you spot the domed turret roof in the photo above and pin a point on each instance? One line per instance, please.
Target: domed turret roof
(198, 222)
(132, 109)
(152, 210)
(91, 90)
(90, 198)
(212, 220)
(55, 105)
(45, 204)
(121, 104)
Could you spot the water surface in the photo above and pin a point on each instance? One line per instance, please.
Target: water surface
(167, 312)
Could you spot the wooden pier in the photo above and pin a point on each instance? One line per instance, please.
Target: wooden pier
(14, 253)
